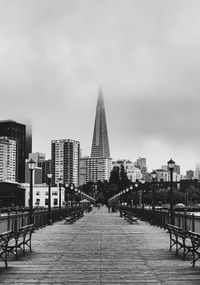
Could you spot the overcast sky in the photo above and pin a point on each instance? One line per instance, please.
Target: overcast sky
(54, 55)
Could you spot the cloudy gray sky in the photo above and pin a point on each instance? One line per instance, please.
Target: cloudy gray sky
(54, 55)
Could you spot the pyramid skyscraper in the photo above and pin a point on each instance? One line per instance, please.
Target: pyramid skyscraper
(100, 143)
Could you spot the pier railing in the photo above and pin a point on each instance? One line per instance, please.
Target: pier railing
(16, 219)
(184, 219)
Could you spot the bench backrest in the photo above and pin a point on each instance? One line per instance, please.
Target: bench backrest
(177, 231)
(5, 237)
(195, 239)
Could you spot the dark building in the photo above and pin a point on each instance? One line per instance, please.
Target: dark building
(11, 195)
(28, 148)
(17, 132)
(46, 168)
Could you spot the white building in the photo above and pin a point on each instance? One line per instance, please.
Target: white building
(65, 154)
(41, 195)
(133, 173)
(163, 175)
(94, 169)
(8, 154)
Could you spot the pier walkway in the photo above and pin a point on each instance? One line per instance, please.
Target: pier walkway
(100, 248)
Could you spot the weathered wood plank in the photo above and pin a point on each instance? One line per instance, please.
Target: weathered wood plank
(100, 248)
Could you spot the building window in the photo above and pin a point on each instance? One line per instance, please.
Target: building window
(37, 203)
(46, 193)
(55, 202)
(38, 193)
(54, 193)
(46, 202)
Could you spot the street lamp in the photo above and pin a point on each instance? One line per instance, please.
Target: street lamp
(72, 194)
(142, 181)
(131, 188)
(154, 175)
(136, 194)
(49, 175)
(60, 184)
(31, 166)
(171, 164)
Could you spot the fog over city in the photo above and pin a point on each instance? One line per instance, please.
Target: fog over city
(144, 54)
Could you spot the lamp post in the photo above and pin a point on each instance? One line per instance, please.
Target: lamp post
(31, 166)
(154, 175)
(131, 188)
(136, 194)
(60, 184)
(72, 189)
(171, 164)
(142, 181)
(49, 175)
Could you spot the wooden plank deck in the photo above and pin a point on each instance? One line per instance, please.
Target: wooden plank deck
(100, 248)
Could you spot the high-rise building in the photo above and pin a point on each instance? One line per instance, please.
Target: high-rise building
(16, 131)
(100, 144)
(65, 154)
(37, 174)
(28, 148)
(38, 157)
(46, 168)
(197, 171)
(141, 164)
(94, 169)
(8, 152)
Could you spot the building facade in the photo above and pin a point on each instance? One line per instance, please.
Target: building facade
(46, 168)
(133, 173)
(8, 156)
(65, 154)
(17, 132)
(41, 195)
(37, 174)
(141, 164)
(38, 157)
(94, 169)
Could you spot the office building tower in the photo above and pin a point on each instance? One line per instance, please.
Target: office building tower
(141, 164)
(38, 157)
(37, 174)
(17, 132)
(65, 154)
(46, 168)
(8, 153)
(94, 169)
(100, 144)
(197, 171)
(28, 148)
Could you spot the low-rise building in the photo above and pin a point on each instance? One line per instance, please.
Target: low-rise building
(41, 195)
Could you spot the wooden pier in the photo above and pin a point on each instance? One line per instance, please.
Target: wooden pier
(100, 248)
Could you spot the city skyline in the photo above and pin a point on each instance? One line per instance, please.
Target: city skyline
(143, 54)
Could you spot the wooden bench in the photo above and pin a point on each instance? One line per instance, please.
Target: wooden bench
(128, 216)
(73, 216)
(180, 239)
(4, 240)
(13, 241)
(195, 240)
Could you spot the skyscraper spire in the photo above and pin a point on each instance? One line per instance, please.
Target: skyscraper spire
(100, 144)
